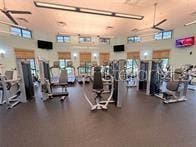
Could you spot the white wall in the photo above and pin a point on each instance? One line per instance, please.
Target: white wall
(9, 42)
(178, 56)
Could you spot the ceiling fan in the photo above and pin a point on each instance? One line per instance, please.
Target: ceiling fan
(155, 25)
(8, 13)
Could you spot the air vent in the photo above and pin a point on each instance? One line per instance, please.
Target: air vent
(61, 23)
(109, 27)
(134, 30)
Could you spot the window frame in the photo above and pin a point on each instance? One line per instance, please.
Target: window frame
(162, 35)
(102, 42)
(21, 32)
(134, 39)
(63, 38)
(85, 41)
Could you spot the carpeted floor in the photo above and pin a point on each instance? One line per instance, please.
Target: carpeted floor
(143, 121)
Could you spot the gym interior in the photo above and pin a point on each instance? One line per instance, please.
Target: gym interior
(109, 73)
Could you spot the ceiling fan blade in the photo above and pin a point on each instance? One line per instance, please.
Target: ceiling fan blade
(164, 20)
(10, 17)
(19, 12)
(155, 10)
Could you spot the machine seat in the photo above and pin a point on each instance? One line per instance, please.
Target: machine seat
(173, 85)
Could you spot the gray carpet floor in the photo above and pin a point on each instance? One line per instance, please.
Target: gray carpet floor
(143, 121)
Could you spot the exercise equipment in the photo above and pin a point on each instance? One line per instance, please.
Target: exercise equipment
(177, 87)
(10, 89)
(159, 79)
(98, 89)
(192, 83)
(71, 78)
(17, 86)
(115, 83)
(144, 75)
(50, 86)
(93, 65)
(117, 69)
(131, 73)
(24, 70)
(84, 72)
(105, 69)
(167, 85)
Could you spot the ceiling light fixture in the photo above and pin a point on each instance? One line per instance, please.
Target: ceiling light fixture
(53, 6)
(86, 10)
(10, 24)
(91, 11)
(190, 23)
(130, 16)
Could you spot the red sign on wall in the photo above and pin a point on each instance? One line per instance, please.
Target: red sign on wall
(185, 42)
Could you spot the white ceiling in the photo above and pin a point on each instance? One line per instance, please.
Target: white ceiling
(178, 12)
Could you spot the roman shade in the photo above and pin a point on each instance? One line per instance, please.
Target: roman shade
(24, 54)
(160, 54)
(64, 55)
(85, 57)
(133, 55)
(104, 57)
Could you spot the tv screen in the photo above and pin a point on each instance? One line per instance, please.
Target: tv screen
(44, 44)
(119, 48)
(185, 42)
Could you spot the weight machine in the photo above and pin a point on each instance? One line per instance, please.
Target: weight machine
(51, 85)
(131, 73)
(177, 87)
(162, 84)
(144, 76)
(17, 89)
(10, 89)
(116, 83)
